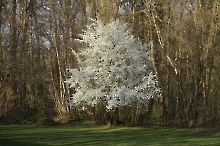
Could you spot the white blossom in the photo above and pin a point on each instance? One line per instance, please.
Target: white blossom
(114, 68)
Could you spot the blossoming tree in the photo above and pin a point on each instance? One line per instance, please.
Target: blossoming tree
(113, 68)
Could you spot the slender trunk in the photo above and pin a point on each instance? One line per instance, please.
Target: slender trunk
(1, 50)
(23, 15)
(13, 49)
(112, 117)
(61, 103)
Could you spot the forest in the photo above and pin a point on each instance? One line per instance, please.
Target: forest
(37, 42)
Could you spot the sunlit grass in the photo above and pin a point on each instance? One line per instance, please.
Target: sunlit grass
(101, 135)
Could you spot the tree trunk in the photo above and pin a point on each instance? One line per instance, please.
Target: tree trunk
(112, 117)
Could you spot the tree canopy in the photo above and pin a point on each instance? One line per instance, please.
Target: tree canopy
(113, 67)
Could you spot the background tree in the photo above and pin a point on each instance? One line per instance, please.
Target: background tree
(37, 38)
(184, 66)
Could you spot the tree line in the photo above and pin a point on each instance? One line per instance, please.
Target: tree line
(38, 37)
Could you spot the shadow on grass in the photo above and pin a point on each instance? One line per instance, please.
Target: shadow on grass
(101, 135)
(11, 142)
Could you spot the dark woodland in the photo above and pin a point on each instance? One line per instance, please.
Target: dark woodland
(36, 42)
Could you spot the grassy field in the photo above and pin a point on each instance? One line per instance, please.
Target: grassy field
(14, 135)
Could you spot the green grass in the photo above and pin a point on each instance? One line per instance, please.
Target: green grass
(15, 135)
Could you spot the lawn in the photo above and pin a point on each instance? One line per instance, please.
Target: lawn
(84, 134)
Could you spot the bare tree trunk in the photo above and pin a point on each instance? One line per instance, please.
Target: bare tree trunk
(1, 49)
(107, 10)
(61, 101)
(13, 49)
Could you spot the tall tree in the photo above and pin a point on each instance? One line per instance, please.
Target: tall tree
(114, 74)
